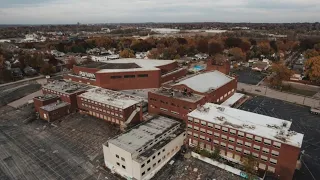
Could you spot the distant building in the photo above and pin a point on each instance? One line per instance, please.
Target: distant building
(129, 73)
(54, 111)
(180, 97)
(105, 58)
(239, 134)
(143, 150)
(112, 106)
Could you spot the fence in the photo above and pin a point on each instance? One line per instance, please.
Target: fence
(265, 91)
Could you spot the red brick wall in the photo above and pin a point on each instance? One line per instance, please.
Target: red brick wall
(54, 115)
(80, 80)
(224, 68)
(287, 161)
(215, 95)
(174, 76)
(168, 67)
(152, 81)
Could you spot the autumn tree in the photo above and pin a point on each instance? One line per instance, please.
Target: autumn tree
(127, 53)
(245, 45)
(219, 59)
(202, 45)
(281, 73)
(264, 48)
(237, 54)
(311, 53)
(313, 69)
(215, 47)
(71, 62)
(47, 69)
(232, 42)
(154, 54)
(250, 165)
(317, 47)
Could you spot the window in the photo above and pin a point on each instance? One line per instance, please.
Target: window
(271, 169)
(142, 75)
(153, 157)
(123, 159)
(142, 165)
(129, 76)
(196, 121)
(224, 129)
(203, 123)
(267, 142)
(240, 134)
(239, 142)
(159, 153)
(264, 158)
(209, 132)
(275, 153)
(195, 135)
(249, 136)
(202, 137)
(247, 144)
(238, 149)
(118, 164)
(216, 142)
(189, 126)
(224, 137)
(143, 173)
(190, 119)
(223, 144)
(210, 125)
(273, 161)
(230, 147)
(148, 169)
(232, 131)
(265, 150)
(148, 161)
(257, 139)
(256, 147)
(196, 128)
(216, 134)
(255, 155)
(277, 144)
(117, 156)
(231, 139)
(217, 127)
(262, 166)
(116, 77)
(124, 167)
(246, 152)
(159, 161)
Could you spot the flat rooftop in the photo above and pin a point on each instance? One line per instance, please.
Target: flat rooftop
(131, 64)
(107, 65)
(233, 99)
(46, 97)
(66, 87)
(264, 126)
(206, 82)
(55, 106)
(112, 98)
(184, 96)
(141, 135)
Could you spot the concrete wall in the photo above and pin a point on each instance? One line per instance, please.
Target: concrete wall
(265, 91)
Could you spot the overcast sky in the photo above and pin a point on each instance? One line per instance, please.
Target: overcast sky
(113, 11)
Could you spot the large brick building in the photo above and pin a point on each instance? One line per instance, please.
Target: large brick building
(112, 106)
(54, 111)
(239, 133)
(43, 100)
(219, 65)
(122, 74)
(67, 91)
(180, 97)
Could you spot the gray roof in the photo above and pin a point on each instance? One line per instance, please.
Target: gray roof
(66, 87)
(207, 81)
(141, 135)
(54, 106)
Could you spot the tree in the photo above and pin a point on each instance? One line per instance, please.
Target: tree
(215, 47)
(202, 45)
(311, 53)
(250, 164)
(273, 45)
(219, 59)
(127, 53)
(154, 54)
(47, 69)
(232, 42)
(1, 62)
(237, 54)
(281, 73)
(245, 45)
(71, 62)
(264, 48)
(317, 47)
(313, 69)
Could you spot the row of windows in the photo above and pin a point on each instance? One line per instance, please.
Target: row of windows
(103, 110)
(154, 164)
(101, 104)
(130, 76)
(239, 143)
(230, 131)
(172, 104)
(166, 110)
(239, 150)
(107, 118)
(55, 92)
(225, 95)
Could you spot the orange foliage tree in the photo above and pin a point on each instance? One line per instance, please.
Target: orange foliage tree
(313, 69)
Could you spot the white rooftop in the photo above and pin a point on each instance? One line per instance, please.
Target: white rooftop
(145, 64)
(233, 99)
(264, 126)
(206, 81)
(139, 136)
(112, 98)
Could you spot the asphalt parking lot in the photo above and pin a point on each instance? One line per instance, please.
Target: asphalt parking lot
(36, 150)
(248, 76)
(302, 121)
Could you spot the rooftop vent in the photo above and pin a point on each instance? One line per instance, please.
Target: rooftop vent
(220, 109)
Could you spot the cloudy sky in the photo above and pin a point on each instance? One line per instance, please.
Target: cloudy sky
(113, 11)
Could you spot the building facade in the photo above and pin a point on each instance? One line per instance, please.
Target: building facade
(123, 74)
(112, 106)
(43, 100)
(54, 111)
(183, 96)
(239, 134)
(222, 66)
(142, 151)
